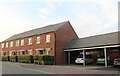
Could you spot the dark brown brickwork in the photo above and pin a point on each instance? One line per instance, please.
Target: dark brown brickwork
(63, 36)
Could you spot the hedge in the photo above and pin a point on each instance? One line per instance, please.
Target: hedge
(39, 59)
(43, 59)
(25, 58)
(14, 58)
(5, 58)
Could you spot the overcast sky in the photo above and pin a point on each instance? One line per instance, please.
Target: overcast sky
(88, 17)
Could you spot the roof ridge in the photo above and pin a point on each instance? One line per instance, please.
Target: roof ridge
(37, 31)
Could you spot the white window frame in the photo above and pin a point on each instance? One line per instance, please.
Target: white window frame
(11, 44)
(29, 41)
(38, 40)
(47, 51)
(6, 44)
(40, 49)
(3, 45)
(30, 52)
(22, 42)
(17, 42)
(21, 52)
(47, 38)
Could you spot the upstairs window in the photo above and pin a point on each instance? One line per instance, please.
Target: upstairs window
(17, 43)
(22, 42)
(30, 41)
(2, 45)
(6, 44)
(47, 38)
(11, 44)
(38, 40)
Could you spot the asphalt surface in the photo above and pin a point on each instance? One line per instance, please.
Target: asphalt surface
(9, 68)
(22, 68)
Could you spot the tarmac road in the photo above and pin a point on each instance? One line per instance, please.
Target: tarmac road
(8, 68)
(22, 68)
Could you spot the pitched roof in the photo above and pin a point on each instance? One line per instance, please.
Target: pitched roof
(94, 41)
(46, 29)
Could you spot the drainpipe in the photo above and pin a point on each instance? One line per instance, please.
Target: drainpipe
(105, 57)
(84, 57)
(68, 57)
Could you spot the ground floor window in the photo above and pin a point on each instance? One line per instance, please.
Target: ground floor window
(15, 53)
(47, 51)
(40, 51)
(30, 52)
(23, 52)
(5, 53)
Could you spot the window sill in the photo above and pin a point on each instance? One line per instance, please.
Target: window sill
(29, 44)
(38, 43)
(47, 42)
(21, 45)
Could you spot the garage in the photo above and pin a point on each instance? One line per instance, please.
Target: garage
(106, 45)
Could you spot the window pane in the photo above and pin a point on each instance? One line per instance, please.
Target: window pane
(29, 41)
(7, 44)
(17, 43)
(48, 51)
(30, 52)
(38, 39)
(2, 45)
(47, 38)
(11, 44)
(22, 42)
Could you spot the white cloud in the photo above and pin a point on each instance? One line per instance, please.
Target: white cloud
(12, 23)
(87, 24)
(43, 12)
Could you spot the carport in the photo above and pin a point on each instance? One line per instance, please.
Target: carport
(104, 42)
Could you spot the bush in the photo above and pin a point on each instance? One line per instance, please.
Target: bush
(43, 59)
(14, 58)
(5, 58)
(48, 58)
(25, 58)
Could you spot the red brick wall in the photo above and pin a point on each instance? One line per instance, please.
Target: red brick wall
(113, 52)
(64, 35)
(34, 46)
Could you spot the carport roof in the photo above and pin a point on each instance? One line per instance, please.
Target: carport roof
(94, 41)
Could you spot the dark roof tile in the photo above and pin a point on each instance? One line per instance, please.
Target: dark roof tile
(46, 29)
(98, 40)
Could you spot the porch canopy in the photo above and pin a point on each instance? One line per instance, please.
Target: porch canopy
(94, 42)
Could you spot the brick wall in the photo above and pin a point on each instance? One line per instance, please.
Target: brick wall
(34, 46)
(64, 35)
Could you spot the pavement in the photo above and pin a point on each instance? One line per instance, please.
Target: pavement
(67, 69)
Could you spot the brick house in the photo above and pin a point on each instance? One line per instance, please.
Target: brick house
(48, 40)
(61, 41)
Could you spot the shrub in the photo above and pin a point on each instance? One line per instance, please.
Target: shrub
(43, 59)
(14, 58)
(25, 58)
(5, 58)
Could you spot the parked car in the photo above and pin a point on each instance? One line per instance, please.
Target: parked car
(80, 60)
(117, 61)
(101, 60)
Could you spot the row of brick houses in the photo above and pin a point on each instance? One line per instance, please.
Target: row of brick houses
(59, 40)
(48, 40)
